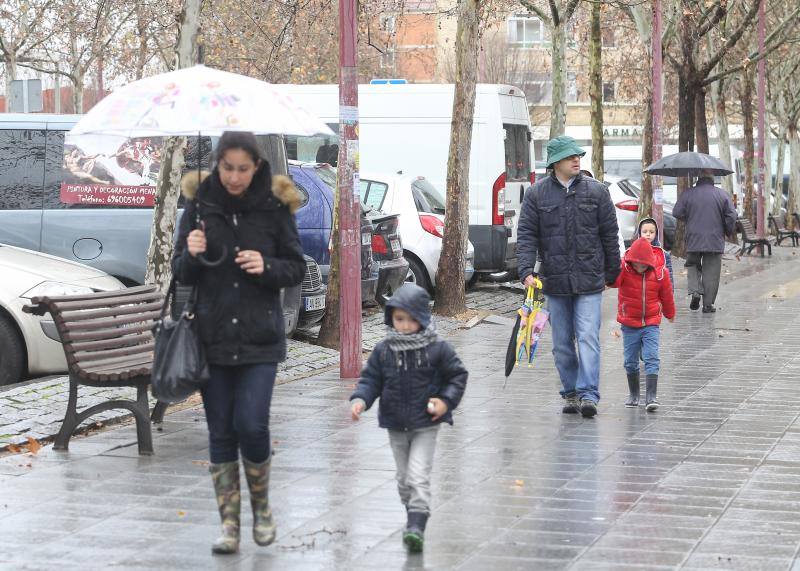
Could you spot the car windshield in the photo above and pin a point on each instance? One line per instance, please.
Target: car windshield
(427, 197)
(328, 175)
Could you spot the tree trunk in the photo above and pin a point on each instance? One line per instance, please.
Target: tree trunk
(77, 94)
(723, 132)
(749, 146)
(10, 72)
(779, 168)
(450, 295)
(793, 202)
(596, 92)
(159, 252)
(558, 115)
(768, 195)
(646, 200)
(700, 122)
(686, 115)
(141, 28)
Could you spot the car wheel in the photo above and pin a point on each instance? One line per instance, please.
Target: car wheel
(417, 275)
(473, 280)
(12, 353)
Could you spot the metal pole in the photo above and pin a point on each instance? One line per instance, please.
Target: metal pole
(349, 208)
(762, 139)
(658, 190)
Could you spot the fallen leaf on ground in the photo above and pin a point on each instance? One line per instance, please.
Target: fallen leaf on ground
(519, 483)
(200, 462)
(33, 445)
(14, 449)
(181, 513)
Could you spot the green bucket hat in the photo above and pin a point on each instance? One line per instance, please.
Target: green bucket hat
(562, 147)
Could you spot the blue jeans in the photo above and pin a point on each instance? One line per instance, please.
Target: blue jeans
(576, 318)
(641, 341)
(237, 401)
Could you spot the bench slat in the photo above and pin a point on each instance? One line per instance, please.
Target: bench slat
(124, 373)
(100, 356)
(47, 300)
(98, 334)
(120, 363)
(71, 316)
(113, 343)
(105, 324)
(107, 302)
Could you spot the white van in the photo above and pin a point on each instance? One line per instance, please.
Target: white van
(406, 128)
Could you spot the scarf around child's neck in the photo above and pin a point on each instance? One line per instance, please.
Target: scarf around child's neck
(410, 341)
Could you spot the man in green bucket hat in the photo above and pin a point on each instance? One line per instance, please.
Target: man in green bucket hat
(569, 223)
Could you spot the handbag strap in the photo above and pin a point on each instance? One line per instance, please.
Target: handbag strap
(171, 296)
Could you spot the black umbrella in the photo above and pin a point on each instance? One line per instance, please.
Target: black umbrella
(688, 164)
(511, 352)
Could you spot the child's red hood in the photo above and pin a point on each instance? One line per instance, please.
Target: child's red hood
(642, 252)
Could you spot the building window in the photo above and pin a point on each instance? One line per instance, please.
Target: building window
(388, 59)
(608, 92)
(388, 24)
(609, 39)
(525, 31)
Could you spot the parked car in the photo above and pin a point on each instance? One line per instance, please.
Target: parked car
(387, 247)
(420, 207)
(316, 182)
(30, 345)
(625, 196)
(313, 295)
(89, 199)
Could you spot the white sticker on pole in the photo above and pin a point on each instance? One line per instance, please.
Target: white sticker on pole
(356, 188)
(348, 114)
(658, 194)
(352, 153)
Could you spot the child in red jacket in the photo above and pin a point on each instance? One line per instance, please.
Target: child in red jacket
(645, 292)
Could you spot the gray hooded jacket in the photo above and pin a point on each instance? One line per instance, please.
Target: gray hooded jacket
(709, 216)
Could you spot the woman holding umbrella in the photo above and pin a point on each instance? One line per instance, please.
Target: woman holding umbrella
(246, 222)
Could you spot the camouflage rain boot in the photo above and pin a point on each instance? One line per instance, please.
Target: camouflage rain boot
(652, 389)
(633, 389)
(229, 500)
(258, 481)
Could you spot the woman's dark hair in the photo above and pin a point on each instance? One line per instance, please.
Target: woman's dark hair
(239, 140)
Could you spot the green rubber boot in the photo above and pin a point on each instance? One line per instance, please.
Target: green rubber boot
(229, 501)
(264, 528)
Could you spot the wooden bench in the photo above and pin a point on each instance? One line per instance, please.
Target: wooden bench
(749, 240)
(108, 342)
(782, 233)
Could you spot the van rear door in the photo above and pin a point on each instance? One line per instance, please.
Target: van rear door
(23, 155)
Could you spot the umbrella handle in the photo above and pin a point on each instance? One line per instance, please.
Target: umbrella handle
(208, 263)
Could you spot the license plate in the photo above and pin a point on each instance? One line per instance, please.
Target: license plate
(396, 246)
(314, 302)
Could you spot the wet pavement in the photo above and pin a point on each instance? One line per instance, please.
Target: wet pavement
(710, 481)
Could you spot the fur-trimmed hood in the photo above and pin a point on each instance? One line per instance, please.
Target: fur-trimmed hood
(283, 188)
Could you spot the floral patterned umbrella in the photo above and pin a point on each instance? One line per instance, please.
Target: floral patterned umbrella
(196, 100)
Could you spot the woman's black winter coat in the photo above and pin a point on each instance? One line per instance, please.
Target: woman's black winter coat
(405, 381)
(239, 315)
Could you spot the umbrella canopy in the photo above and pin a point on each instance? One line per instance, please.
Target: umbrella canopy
(196, 100)
(511, 351)
(688, 164)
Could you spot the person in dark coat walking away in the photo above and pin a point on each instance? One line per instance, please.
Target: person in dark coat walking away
(420, 381)
(709, 215)
(645, 293)
(246, 220)
(569, 221)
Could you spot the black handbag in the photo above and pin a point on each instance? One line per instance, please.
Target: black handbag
(179, 361)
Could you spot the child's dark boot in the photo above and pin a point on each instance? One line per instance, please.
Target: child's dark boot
(414, 535)
(651, 390)
(633, 388)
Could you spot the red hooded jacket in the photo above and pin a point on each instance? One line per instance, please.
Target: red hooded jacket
(643, 297)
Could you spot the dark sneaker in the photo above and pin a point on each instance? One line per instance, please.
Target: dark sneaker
(571, 404)
(709, 309)
(588, 408)
(695, 304)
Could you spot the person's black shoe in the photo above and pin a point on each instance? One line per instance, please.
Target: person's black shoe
(588, 408)
(571, 404)
(709, 309)
(695, 304)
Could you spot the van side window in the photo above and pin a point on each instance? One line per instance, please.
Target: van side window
(53, 172)
(22, 159)
(518, 153)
